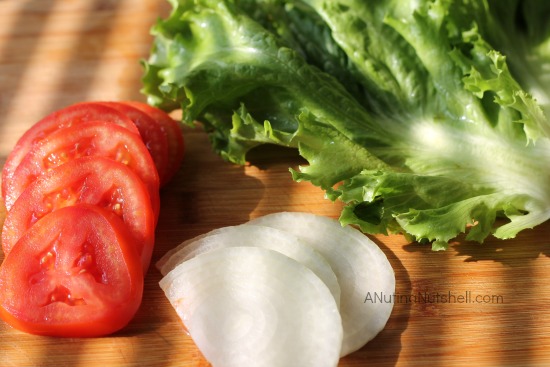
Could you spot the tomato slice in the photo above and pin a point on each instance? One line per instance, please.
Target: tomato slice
(152, 134)
(93, 180)
(88, 139)
(176, 144)
(65, 117)
(74, 274)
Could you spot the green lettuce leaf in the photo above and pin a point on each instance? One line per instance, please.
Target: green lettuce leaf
(407, 111)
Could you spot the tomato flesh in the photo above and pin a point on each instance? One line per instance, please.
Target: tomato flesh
(94, 138)
(152, 134)
(65, 117)
(172, 129)
(76, 274)
(93, 180)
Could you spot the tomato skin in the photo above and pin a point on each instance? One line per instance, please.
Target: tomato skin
(95, 138)
(65, 117)
(152, 134)
(74, 274)
(176, 144)
(93, 180)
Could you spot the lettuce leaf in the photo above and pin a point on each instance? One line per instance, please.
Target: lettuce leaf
(410, 112)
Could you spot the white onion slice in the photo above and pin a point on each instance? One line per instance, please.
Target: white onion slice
(256, 236)
(161, 263)
(366, 278)
(250, 306)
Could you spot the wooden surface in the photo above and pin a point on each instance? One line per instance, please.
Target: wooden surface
(53, 53)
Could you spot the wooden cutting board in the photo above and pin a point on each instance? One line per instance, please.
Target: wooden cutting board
(482, 305)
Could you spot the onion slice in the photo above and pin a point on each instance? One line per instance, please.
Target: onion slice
(366, 278)
(255, 236)
(251, 306)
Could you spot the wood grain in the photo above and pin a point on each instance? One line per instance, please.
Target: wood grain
(53, 53)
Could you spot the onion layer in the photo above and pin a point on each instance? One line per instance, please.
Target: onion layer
(254, 236)
(249, 306)
(366, 278)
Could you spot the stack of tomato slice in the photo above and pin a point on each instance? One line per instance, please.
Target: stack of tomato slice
(81, 189)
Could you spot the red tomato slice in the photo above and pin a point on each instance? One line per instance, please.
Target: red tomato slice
(73, 274)
(176, 144)
(87, 139)
(93, 180)
(68, 116)
(152, 134)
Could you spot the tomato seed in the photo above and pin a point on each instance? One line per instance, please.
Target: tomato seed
(48, 261)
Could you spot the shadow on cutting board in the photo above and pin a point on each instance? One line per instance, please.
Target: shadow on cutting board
(524, 281)
(510, 276)
(518, 252)
(22, 40)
